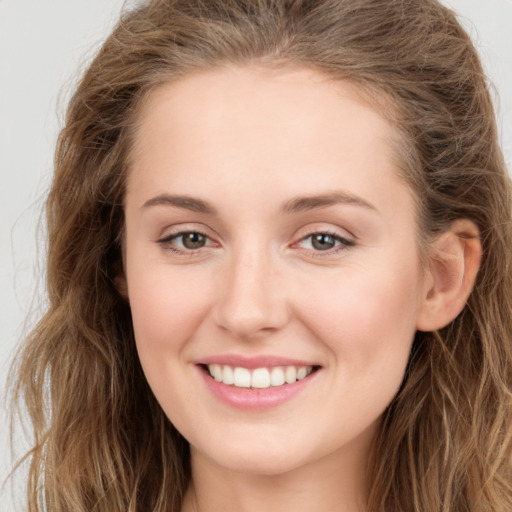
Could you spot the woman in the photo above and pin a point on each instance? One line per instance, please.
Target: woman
(279, 268)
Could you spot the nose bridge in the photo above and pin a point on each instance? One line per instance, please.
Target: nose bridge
(251, 302)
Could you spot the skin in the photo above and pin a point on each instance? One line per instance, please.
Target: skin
(248, 142)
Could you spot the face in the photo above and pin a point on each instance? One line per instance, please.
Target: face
(271, 265)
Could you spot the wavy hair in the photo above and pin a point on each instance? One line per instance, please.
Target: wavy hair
(101, 441)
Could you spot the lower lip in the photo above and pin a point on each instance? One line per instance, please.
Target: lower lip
(255, 399)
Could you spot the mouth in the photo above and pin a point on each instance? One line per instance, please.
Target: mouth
(257, 378)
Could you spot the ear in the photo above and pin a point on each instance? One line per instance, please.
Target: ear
(120, 281)
(453, 262)
(121, 285)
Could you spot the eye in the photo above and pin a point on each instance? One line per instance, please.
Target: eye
(325, 242)
(192, 240)
(185, 241)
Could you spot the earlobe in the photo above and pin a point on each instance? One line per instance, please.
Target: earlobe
(119, 276)
(121, 285)
(120, 280)
(453, 263)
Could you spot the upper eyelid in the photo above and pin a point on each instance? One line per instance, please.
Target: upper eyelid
(172, 231)
(169, 238)
(344, 242)
(346, 235)
(328, 231)
(177, 234)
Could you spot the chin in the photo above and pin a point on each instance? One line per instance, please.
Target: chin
(262, 458)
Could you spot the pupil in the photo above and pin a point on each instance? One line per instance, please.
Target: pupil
(323, 242)
(193, 240)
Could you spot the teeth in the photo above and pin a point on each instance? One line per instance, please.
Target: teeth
(216, 372)
(301, 373)
(227, 375)
(277, 377)
(290, 375)
(242, 378)
(260, 378)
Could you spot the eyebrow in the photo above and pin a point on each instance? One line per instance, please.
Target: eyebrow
(300, 204)
(186, 202)
(294, 205)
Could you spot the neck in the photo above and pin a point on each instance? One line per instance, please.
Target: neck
(337, 482)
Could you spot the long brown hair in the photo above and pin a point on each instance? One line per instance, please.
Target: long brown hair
(101, 441)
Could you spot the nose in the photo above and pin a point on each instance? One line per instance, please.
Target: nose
(252, 300)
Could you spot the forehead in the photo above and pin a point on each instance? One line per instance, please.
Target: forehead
(302, 94)
(289, 131)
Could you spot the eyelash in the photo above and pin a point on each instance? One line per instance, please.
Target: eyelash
(344, 243)
(166, 242)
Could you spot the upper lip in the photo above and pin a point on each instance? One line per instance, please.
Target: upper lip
(263, 361)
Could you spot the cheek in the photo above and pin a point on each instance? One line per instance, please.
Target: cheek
(367, 319)
(367, 323)
(166, 307)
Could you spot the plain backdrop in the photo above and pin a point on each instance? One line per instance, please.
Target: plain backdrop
(43, 47)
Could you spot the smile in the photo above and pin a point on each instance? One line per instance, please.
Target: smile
(258, 378)
(256, 383)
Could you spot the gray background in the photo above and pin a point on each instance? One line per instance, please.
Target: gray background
(43, 46)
